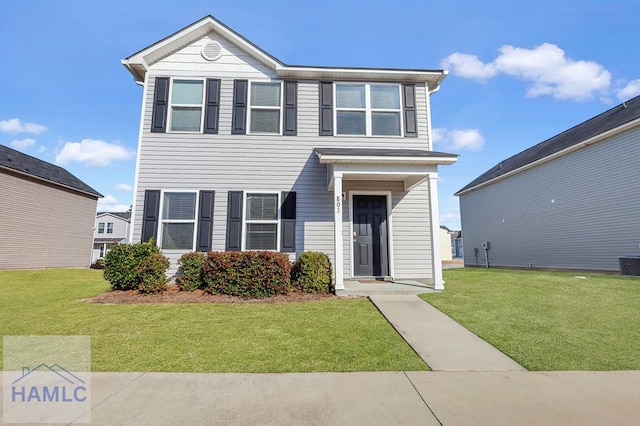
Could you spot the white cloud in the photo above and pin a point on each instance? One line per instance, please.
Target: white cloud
(23, 144)
(458, 139)
(124, 187)
(42, 149)
(546, 67)
(110, 204)
(469, 66)
(14, 126)
(92, 152)
(450, 216)
(630, 90)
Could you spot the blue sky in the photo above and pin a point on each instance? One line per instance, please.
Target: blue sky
(518, 73)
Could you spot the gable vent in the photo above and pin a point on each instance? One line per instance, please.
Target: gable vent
(212, 51)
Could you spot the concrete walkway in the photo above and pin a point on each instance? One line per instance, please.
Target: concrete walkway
(382, 398)
(440, 341)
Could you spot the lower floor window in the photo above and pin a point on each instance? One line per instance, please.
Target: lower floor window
(261, 221)
(178, 220)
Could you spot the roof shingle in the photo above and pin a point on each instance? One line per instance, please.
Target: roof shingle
(23, 163)
(608, 120)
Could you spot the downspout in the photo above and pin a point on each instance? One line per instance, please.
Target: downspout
(132, 222)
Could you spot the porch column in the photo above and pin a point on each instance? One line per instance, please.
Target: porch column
(436, 256)
(337, 231)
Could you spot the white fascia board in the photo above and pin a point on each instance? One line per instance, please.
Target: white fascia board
(350, 159)
(433, 77)
(591, 141)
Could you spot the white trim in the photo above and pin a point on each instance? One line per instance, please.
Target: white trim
(98, 216)
(436, 255)
(389, 196)
(194, 221)
(338, 208)
(145, 87)
(279, 108)
(368, 109)
(332, 159)
(172, 80)
(243, 245)
(591, 141)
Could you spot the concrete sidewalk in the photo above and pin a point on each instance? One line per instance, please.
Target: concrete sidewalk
(440, 341)
(375, 398)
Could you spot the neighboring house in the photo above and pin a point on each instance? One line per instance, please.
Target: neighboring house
(239, 151)
(446, 249)
(110, 228)
(46, 214)
(570, 202)
(456, 241)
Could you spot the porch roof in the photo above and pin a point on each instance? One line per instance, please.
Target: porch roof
(384, 156)
(411, 166)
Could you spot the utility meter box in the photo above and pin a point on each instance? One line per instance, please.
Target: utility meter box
(485, 245)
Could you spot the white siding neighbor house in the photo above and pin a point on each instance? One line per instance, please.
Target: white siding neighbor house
(46, 214)
(570, 202)
(110, 228)
(239, 151)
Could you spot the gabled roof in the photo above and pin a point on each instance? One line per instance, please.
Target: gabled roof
(31, 166)
(122, 215)
(596, 129)
(139, 62)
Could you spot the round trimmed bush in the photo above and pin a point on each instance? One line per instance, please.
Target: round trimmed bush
(311, 273)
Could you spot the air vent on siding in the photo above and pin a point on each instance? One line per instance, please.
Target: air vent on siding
(212, 51)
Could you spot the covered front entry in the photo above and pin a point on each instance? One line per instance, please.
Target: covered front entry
(370, 241)
(372, 253)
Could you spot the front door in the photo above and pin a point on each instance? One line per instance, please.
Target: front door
(370, 236)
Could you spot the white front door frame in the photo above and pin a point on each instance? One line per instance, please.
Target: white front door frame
(388, 196)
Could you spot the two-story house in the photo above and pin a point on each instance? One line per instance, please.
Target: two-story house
(239, 151)
(111, 228)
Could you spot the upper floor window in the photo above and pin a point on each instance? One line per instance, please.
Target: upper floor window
(187, 98)
(101, 228)
(265, 104)
(368, 109)
(178, 220)
(109, 227)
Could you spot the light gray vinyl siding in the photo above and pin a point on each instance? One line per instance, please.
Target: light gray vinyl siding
(226, 162)
(43, 226)
(580, 211)
(120, 227)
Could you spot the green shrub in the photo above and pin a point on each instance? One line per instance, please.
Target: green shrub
(311, 273)
(191, 271)
(122, 265)
(151, 277)
(247, 274)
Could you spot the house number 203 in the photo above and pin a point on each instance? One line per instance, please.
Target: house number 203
(338, 203)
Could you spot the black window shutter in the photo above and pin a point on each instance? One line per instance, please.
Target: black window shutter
(150, 215)
(205, 221)
(234, 221)
(290, 108)
(326, 108)
(160, 105)
(212, 106)
(288, 222)
(410, 120)
(239, 118)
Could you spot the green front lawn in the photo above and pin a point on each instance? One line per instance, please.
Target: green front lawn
(329, 335)
(548, 320)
